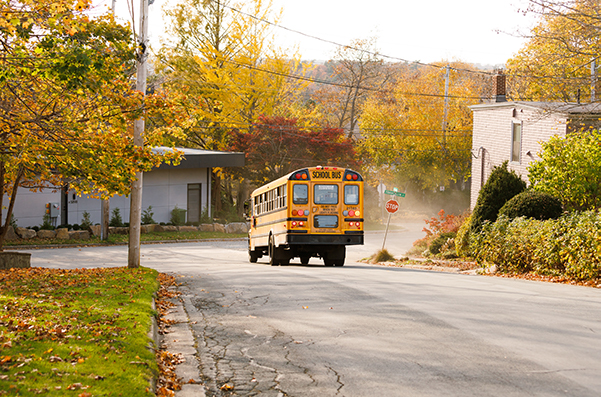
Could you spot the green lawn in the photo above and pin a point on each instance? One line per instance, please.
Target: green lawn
(123, 238)
(79, 332)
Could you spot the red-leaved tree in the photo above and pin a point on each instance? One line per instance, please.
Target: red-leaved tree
(275, 146)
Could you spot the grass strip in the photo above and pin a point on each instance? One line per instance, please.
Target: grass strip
(81, 332)
(123, 238)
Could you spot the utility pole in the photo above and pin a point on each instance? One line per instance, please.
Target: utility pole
(593, 79)
(135, 206)
(446, 107)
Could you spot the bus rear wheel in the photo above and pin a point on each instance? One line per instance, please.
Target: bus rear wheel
(304, 260)
(274, 254)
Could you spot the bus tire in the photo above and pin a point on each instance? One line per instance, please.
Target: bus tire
(252, 256)
(304, 260)
(273, 260)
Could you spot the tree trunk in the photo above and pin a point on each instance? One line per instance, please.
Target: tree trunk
(216, 199)
(242, 197)
(11, 206)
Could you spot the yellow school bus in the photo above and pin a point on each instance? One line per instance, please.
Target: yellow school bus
(311, 212)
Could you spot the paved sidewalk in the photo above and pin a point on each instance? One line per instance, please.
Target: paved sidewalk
(180, 340)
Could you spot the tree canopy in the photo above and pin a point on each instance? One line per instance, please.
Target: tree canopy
(67, 102)
(276, 146)
(570, 169)
(223, 61)
(555, 63)
(417, 134)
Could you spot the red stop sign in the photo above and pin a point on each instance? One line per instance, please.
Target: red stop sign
(392, 206)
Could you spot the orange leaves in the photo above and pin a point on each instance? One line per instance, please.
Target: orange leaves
(168, 381)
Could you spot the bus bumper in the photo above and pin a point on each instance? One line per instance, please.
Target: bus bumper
(326, 239)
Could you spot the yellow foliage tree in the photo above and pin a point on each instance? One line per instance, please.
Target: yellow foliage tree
(555, 64)
(413, 136)
(67, 103)
(223, 59)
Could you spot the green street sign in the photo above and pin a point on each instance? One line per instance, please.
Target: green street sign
(394, 193)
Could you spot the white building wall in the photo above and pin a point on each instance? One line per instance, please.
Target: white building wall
(492, 132)
(30, 207)
(163, 189)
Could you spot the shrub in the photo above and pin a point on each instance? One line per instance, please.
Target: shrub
(13, 221)
(532, 204)
(86, 223)
(570, 169)
(383, 256)
(147, 216)
(462, 240)
(439, 241)
(116, 220)
(47, 223)
(569, 246)
(178, 216)
(501, 186)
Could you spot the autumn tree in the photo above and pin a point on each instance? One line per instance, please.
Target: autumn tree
(276, 146)
(66, 103)
(570, 169)
(222, 58)
(416, 133)
(555, 64)
(357, 70)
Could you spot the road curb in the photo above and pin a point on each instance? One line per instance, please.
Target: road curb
(179, 339)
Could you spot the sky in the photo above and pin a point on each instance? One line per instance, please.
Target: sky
(482, 32)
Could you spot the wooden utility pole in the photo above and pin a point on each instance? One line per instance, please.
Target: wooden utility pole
(135, 206)
(446, 107)
(593, 80)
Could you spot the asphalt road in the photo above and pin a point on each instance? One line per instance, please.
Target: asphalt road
(364, 330)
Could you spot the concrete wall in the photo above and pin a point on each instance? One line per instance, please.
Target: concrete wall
(491, 139)
(162, 189)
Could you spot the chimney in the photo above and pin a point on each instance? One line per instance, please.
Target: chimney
(498, 86)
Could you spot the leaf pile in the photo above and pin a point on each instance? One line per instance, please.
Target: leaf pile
(80, 332)
(167, 382)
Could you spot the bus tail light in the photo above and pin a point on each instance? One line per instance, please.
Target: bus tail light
(293, 223)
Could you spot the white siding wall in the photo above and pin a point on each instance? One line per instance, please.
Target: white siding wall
(492, 131)
(162, 189)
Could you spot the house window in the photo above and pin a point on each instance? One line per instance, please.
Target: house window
(516, 141)
(194, 202)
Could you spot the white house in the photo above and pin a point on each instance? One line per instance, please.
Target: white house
(513, 131)
(186, 186)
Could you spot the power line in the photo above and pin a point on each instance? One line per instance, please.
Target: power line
(440, 67)
(345, 45)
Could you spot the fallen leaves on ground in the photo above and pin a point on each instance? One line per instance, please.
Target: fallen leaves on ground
(167, 382)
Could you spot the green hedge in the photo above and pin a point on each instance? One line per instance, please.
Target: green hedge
(569, 246)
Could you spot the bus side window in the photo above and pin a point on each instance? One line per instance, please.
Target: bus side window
(351, 194)
(300, 194)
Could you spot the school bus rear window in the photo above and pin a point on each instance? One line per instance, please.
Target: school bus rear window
(325, 194)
